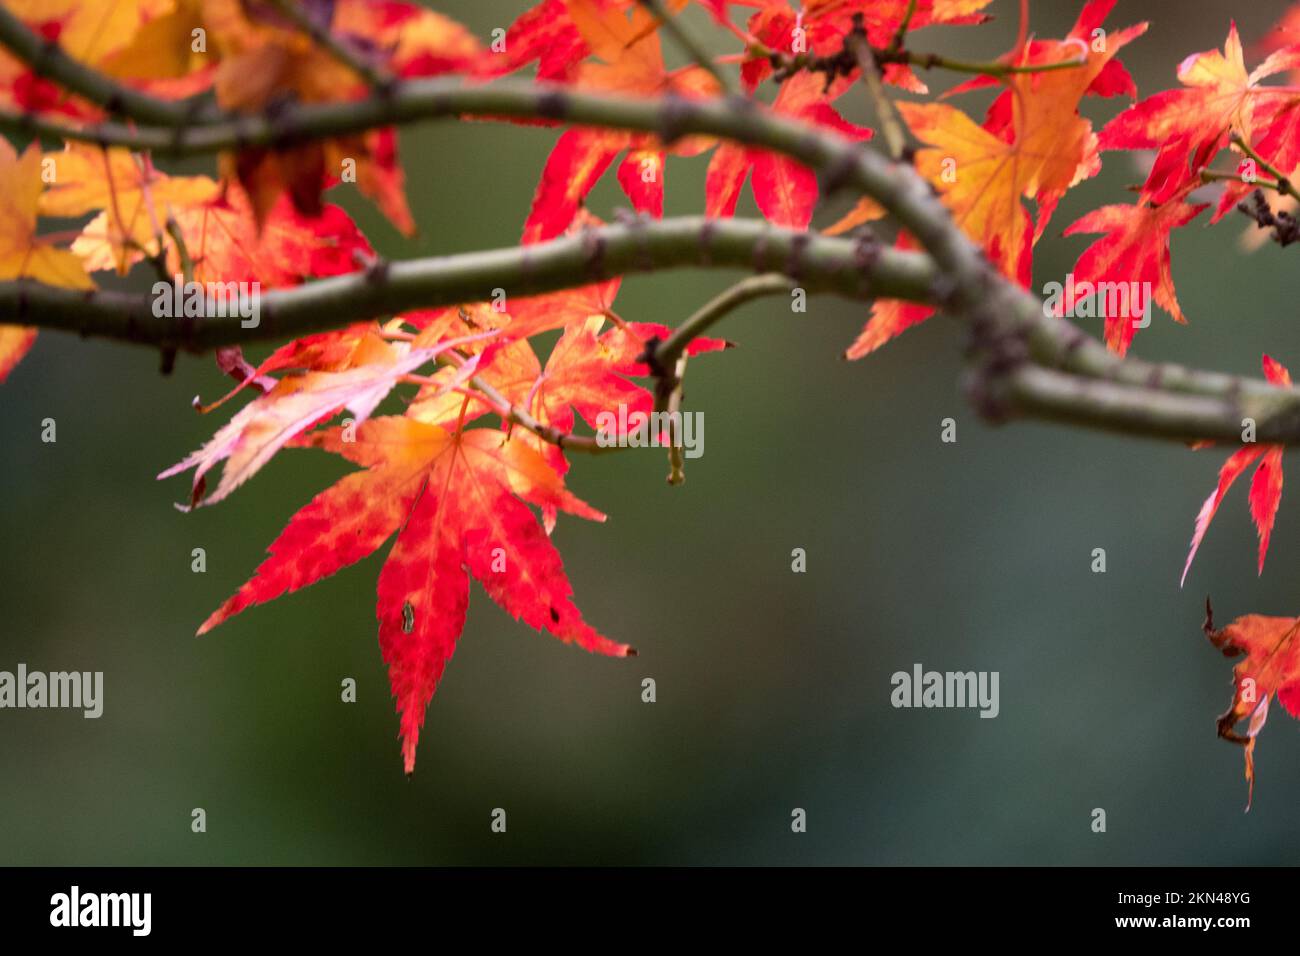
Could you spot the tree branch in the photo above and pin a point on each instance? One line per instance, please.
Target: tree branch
(1111, 406)
(820, 263)
(1009, 327)
(841, 163)
(48, 60)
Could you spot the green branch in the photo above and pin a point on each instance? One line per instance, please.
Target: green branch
(672, 348)
(821, 264)
(1009, 327)
(1282, 184)
(1153, 412)
(47, 60)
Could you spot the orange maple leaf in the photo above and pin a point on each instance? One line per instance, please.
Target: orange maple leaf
(135, 199)
(982, 175)
(1271, 667)
(1038, 149)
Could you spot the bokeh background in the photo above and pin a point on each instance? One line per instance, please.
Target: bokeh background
(773, 687)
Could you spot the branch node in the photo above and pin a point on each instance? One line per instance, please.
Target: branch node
(794, 263)
(593, 244)
(840, 172)
(377, 270)
(553, 104)
(673, 118)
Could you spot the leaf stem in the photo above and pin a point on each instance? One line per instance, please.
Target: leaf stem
(717, 308)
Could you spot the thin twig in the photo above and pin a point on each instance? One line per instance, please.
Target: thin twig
(900, 35)
(321, 35)
(1283, 183)
(891, 124)
(667, 352)
(689, 44)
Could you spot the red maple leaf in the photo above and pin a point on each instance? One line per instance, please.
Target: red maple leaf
(458, 502)
(1265, 487)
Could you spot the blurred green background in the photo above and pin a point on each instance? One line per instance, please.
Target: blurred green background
(773, 687)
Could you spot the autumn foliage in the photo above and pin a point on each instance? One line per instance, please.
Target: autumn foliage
(467, 480)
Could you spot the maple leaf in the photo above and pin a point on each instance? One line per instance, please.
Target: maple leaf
(629, 62)
(264, 58)
(587, 372)
(1271, 668)
(822, 26)
(1190, 125)
(295, 404)
(785, 190)
(161, 58)
(1112, 79)
(135, 197)
(1039, 151)
(982, 175)
(24, 254)
(1265, 487)
(225, 245)
(459, 504)
(1133, 255)
(93, 32)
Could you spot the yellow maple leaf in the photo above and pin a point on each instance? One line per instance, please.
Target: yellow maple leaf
(23, 254)
(134, 196)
